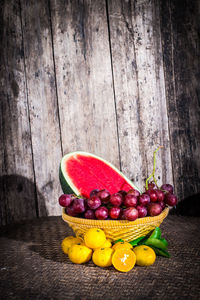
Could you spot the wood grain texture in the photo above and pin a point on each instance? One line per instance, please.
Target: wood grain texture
(140, 89)
(84, 78)
(42, 103)
(17, 189)
(115, 78)
(181, 49)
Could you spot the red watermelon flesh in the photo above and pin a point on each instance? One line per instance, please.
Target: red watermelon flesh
(83, 172)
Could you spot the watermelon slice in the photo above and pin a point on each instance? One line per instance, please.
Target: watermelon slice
(82, 172)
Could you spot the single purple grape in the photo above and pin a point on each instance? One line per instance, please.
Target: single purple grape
(65, 200)
(134, 192)
(115, 212)
(160, 195)
(130, 200)
(154, 209)
(131, 213)
(78, 205)
(94, 202)
(151, 186)
(142, 211)
(89, 214)
(171, 199)
(167, 188)
(116, 199)
(153, 195)
(70, 211)
(144, 199)
(101, 213)
(104, 195)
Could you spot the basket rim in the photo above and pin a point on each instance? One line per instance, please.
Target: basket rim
(112, 223)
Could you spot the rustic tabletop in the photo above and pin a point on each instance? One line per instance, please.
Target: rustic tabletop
(32, 265)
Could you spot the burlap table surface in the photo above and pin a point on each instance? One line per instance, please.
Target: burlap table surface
(32, 265)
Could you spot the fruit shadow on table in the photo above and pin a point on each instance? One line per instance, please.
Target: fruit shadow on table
(189, 206)
(43, 236)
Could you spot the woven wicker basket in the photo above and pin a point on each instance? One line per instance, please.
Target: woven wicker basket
(116, 229)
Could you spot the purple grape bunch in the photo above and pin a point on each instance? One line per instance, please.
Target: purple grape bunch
(122, 205)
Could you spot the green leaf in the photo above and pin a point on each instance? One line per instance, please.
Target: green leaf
(161, 252)
(120, 240)
(164, 241)
(137, 241)
(156, 243)
(156, 234)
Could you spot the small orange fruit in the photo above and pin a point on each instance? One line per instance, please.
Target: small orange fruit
(123, 259)
(145, 256)
(102, 257)
(107, 244)
(122, 245)
(68, 242)
(94, 238)
(79, 254)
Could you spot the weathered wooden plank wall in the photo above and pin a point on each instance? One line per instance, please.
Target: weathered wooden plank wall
(42, 101)
(17, 183)
(180, 27)
(115, 78)
(139, 88)
(84, 78)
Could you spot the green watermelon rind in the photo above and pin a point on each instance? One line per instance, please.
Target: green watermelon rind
(65, 187)
(66, 183)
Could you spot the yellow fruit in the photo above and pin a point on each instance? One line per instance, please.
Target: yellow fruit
(79, 254)
(123, 259)
(68, 242)
(102, 257)
(109, 240)
(145, 256)
(107, 244)
(94, 238)
(122, 245)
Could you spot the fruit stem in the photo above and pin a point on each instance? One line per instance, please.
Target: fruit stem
(154, 168)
